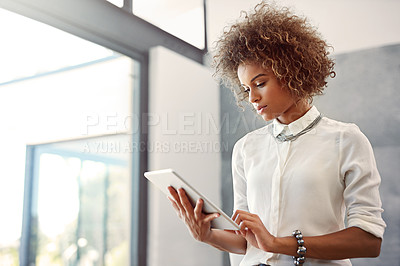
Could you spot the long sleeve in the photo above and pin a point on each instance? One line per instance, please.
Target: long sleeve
(238, 175)
(362, 180)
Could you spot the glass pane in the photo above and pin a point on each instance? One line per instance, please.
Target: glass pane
(117, 221)
(57, 209)
(118, 3)
(182, 18)
(83, 203)
(44, 53)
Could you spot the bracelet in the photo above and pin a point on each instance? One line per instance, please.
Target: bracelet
(301, 249)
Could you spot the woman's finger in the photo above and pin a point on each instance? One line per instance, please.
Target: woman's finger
(237, 213)
(198, 209)
(185, 202)
(173, 193)
(178, 211)
(210, 217)
(177, 200)
(254, 227)
(173, 204)
(238, 217)
(240, 212)
(175, 196)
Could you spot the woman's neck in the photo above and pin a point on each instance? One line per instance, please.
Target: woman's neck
(296, 111)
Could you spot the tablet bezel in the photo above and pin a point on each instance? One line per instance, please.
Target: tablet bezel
(168, 177)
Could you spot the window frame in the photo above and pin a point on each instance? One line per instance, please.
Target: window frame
(33, 153)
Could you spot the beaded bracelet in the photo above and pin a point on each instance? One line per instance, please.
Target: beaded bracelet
(301, 249)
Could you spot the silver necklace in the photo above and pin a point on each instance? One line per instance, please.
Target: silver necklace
(282, 137)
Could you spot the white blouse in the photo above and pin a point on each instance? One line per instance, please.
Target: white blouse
(320, 183)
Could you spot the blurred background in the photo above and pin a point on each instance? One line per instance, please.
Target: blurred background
(94, 93)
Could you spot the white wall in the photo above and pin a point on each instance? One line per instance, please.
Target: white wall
(183, 118)
(347, 25)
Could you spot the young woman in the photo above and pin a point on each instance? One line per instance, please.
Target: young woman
(306, 187)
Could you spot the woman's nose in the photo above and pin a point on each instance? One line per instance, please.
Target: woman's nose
(253, 96)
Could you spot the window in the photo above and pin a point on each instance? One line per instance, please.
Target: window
(184, 19)
(80, 197)
(30, 48)
(56, 86)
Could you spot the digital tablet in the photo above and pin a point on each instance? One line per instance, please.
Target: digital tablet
(162, 179)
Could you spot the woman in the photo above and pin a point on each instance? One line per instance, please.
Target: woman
(306, 187)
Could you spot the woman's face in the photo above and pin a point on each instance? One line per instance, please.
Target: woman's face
(268, 96)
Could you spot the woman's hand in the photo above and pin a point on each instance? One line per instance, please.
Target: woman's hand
(253, 229)
(198, 223)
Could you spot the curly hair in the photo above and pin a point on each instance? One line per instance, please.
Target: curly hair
(278, 40)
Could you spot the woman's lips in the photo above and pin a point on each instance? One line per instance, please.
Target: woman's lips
(260, 109)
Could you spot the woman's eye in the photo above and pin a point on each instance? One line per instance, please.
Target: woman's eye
(260, 84)
(246, 90)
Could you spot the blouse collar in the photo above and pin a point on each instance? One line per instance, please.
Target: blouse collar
(296, 126)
